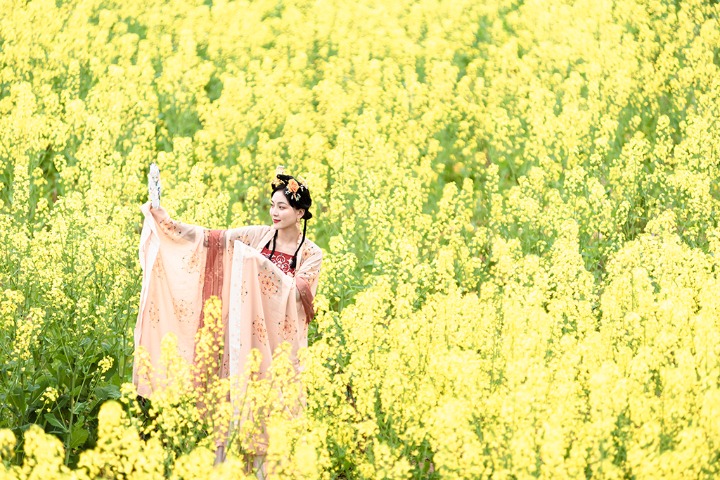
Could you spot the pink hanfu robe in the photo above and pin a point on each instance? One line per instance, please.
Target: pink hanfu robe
(184, 265)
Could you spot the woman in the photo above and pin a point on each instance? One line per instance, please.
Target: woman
(265, 276)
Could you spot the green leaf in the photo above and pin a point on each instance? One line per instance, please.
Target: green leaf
(115, 379)
(52, 420)
(78, 407)
(79, 435)
(107, 391)
(44, 380)
(17, 399)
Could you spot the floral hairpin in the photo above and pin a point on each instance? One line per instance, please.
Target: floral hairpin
(293, 188)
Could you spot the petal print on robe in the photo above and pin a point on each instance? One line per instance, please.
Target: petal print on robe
(268, 282)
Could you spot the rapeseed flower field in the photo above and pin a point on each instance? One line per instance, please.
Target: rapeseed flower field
(517, 202)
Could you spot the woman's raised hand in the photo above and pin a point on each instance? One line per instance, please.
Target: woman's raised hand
(154, 185)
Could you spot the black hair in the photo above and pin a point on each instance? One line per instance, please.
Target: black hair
(298, 200)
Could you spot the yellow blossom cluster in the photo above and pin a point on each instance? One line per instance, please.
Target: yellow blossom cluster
(517, 203)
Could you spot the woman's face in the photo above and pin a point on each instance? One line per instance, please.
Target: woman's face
(282, 213)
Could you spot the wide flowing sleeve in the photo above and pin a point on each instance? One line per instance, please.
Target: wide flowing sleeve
(263, 311)
(172, 258)
(183, 265)
(306, 278)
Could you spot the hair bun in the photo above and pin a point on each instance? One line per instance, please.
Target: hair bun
(284, 178)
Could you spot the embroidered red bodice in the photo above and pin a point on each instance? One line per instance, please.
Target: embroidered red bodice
(281, 260)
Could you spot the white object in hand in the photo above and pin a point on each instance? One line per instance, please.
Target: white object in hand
(154, 185)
